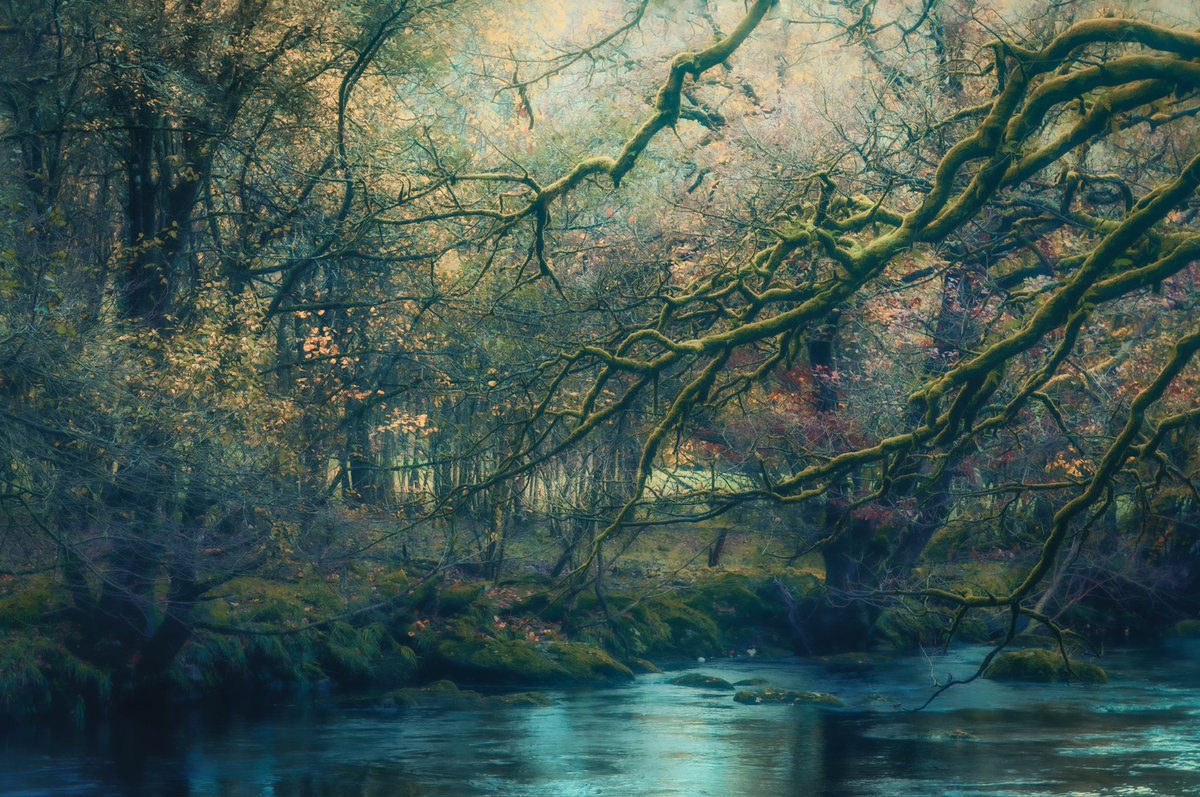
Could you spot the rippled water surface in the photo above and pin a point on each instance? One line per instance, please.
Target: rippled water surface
(1138, 735)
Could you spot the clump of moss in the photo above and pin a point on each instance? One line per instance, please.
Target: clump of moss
(700, 681)
(760, 696)
(587, 664)
(1042, 666)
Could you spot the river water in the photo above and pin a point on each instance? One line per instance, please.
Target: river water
(1137, 735)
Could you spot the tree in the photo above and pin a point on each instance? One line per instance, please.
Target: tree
(267, 264)
(1086, 94)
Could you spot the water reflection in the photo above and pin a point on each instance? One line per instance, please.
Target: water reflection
(1139, 735)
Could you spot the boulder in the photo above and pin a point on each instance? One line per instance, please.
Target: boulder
(524, 662)
(700, 681)
(1042, 666)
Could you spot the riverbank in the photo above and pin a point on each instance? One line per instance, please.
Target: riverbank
(366, 629)
(383, 632)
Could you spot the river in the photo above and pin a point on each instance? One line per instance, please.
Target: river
(1137, 735)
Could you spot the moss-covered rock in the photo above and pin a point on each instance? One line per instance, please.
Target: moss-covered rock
(643, 666)
(458, 598)
(513, 660)
(757, 612)
(666, 626)
(700, 681)
(447, 694)
(1187, 629)
(751, 682)
(522, 699)
(661, 627)
(733, 600)
(760, 696)
(357, 656)
(521, 661)
(1042, 666)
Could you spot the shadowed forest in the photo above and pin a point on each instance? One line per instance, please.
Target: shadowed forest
(355, 349)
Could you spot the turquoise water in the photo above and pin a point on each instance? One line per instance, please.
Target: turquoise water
(1138, 735)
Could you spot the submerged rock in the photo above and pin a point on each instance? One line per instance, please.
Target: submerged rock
(760, 696)
(700, 681)
(442, 693)
(852, 663)
(522, 699)
(448, 694)
(751, 682)
(1042, 666)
